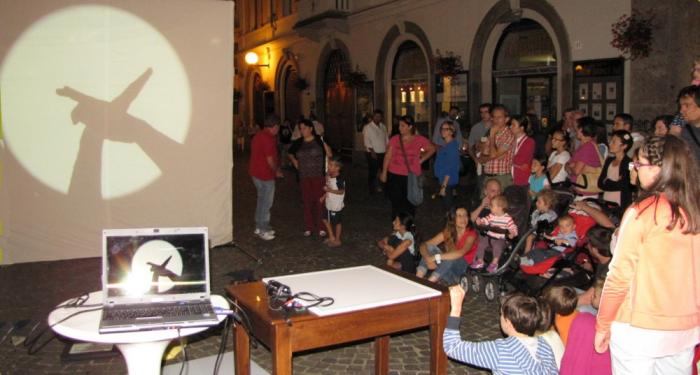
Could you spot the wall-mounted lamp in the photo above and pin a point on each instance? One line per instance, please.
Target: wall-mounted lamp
(251, 58)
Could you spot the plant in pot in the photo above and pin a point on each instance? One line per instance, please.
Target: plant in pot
(356, 77)
(448, 64)
(633, 34)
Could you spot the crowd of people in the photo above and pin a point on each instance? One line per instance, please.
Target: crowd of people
(635, 212)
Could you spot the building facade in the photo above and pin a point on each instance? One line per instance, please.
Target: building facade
(340, 59)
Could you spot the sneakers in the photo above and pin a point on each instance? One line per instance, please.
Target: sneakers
(477, 265)
(491, 268)
(258, 231)
(322, 233)
(266, 235)
(307, 233)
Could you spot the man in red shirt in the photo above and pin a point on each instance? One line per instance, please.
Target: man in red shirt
(264, 168)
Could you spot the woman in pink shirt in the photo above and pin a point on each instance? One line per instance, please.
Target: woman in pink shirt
(649, 312)
(417, 149)
(523, 149)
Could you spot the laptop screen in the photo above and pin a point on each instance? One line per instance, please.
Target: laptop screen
(155, 264)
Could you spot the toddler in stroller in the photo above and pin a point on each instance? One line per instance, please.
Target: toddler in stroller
(500, 225)
(565, 237)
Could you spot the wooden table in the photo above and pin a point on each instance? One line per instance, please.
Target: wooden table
(309, 331)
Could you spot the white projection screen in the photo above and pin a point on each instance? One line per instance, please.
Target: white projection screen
(115, 114)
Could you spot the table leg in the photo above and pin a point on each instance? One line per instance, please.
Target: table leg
(381, 355)
(282, 351)
(241, 350)
(439, 308)
(143, 358)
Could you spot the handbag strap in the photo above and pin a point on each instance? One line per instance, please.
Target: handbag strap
(403, 151)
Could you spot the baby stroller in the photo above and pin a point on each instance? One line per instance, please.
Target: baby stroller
(490, 283)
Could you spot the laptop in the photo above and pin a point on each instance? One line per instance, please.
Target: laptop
(155, 278)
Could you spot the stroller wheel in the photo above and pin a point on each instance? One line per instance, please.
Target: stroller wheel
(491, 290)
(464, 282)
(475, 283)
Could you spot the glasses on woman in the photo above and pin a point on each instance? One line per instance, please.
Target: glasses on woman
(558, 139)
(443, 129)
(638, 165)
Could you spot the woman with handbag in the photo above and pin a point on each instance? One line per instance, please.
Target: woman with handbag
(586, 163)
(402, 161)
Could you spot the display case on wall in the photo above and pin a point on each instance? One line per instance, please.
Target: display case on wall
(598, 88)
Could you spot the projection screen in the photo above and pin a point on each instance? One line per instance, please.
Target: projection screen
(115, 114)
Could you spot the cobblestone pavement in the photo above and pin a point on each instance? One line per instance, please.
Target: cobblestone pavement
(30, 290)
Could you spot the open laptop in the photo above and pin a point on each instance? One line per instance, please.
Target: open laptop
(155, 278)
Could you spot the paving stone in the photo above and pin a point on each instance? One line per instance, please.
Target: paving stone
(31, 290)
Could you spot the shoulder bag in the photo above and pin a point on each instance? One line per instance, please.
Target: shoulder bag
(414, 182)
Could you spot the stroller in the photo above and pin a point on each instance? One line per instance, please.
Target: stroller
(491, 283)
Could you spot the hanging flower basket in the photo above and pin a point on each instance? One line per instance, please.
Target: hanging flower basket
(633, 34)
(355, 77)
(448, 64)
(301, 84)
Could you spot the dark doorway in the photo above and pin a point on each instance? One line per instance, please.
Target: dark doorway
(292, 94)
(339, 132)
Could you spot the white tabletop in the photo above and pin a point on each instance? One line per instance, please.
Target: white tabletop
(85, 326)
(356, 288)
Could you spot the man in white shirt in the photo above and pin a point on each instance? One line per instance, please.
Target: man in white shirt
(375, 137)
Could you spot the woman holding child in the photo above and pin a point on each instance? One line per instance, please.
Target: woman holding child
(649, 311)
(459, 240)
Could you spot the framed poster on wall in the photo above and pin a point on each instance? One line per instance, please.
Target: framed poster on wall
(364, 104)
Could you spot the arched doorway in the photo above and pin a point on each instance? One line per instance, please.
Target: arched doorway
(409, 85)
(292, 108)
(258, 95)
(525, 71)
(339, 131)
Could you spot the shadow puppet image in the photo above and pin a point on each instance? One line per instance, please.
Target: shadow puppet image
(110, 120)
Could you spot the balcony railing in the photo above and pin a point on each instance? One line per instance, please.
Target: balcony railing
(311, 11)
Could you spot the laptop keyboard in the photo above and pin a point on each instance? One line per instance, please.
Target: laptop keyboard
(165, 311)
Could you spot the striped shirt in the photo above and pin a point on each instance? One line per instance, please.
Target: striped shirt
(501, 356)
(503, 222)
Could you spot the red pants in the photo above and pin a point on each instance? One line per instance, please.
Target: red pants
(311, 192)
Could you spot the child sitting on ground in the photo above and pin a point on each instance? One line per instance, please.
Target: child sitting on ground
(519, 353)
(399, 248)
(549, 333)
(565, 237)
(538, 179)
(543, 213)
(580, 356)
(562, 300)
(498, 222)
(334, 196)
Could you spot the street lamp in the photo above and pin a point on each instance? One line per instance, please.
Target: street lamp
(251, 58)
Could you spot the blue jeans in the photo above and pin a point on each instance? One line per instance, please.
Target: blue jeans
(266, 195)
(448, 271)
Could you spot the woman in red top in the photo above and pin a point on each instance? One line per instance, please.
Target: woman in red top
(459, 240)
(650, 306)
(417, 149)
(523, 149)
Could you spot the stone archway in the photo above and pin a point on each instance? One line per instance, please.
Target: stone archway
(288, 94)
(394, 37)
(334, 97)
(483, 48)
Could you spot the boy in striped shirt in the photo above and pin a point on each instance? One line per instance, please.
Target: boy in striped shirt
(519, 353)
(500, 225)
